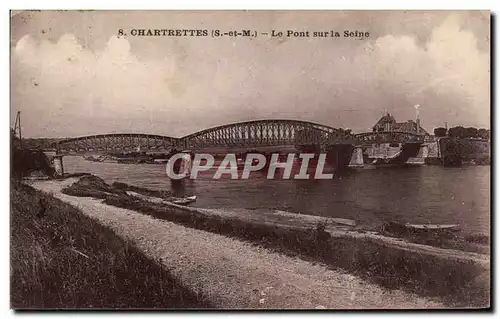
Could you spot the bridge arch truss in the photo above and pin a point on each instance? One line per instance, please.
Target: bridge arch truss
(266, 133)
(117, 142)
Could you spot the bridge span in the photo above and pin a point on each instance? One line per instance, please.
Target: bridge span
(260, 135)
(342, 147)
(243, 135)
(115, 143)
(266, 133)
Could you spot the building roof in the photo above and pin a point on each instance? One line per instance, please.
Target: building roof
(387, 118)
(408, 126)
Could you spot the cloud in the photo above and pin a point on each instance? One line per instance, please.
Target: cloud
(65, 81)
(114, 76)
(64, 88)
(448, 74)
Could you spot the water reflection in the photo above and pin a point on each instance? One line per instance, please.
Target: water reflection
(178, 187)
(428, 194)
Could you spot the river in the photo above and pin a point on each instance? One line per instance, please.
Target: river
(423, 194)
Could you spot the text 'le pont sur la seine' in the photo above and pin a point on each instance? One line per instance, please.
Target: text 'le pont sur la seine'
(217, 33)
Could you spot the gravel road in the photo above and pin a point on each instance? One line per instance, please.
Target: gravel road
(235, 274)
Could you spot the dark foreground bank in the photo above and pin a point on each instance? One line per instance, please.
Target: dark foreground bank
(459, 282)
(61, 258)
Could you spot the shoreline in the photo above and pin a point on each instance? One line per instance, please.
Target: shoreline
(62, 259)
(350, 250)
(237, 274)
(469, 209)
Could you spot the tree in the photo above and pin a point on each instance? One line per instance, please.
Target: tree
(23, 161)
(471, 132)
(457, 131)
(483, 133)
(440, 131)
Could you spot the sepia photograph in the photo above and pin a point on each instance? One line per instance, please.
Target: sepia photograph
(250, 159)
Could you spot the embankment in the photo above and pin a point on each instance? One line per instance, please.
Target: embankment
(458, 150)
(236, 274)
(459, 278)
(61, 258)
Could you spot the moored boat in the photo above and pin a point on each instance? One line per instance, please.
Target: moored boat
(185, 201)
(435, 227)
(401, 229)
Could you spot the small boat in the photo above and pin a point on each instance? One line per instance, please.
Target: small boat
(160, 161)
(176, 200)
(185, 201)
(110, 160)
(402, 229)
(344, 221)
(126, 160)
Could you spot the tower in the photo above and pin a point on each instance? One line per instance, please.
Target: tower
(17, 128)
(417, 106)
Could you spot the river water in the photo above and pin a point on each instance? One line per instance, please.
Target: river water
(424, 194)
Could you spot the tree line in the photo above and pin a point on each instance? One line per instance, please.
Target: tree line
(462, 132)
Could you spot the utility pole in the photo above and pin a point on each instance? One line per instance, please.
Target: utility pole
(417, 119)
(17, 127)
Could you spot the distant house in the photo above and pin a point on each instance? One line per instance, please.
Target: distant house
(387, 123)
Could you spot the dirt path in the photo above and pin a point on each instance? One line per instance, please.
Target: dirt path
(234, 274)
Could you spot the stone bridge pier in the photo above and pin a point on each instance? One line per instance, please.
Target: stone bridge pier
(428, 153)
(56, 162)
(356, 160)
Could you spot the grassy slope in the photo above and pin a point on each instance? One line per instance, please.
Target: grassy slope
(67, 260)
(454, 282)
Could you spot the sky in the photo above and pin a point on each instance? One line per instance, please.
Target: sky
(72, 75)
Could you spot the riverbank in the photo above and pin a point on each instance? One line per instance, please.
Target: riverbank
(459, 279)
(236, 274)
(392, 262)
(61, 258)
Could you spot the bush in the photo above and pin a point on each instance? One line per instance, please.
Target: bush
(92, 186)
(24, 161)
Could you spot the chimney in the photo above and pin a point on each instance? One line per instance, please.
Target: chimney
(418, 118)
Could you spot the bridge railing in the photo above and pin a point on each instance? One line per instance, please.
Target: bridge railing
(388, 137)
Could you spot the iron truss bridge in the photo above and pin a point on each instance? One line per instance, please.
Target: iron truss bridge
(245, 134)
(251, 134)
